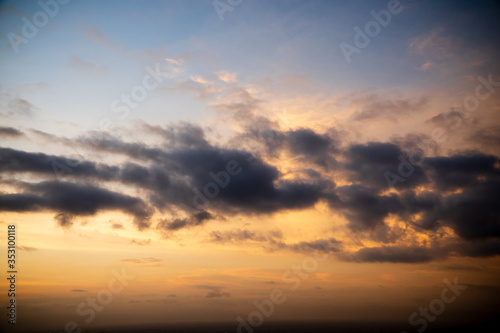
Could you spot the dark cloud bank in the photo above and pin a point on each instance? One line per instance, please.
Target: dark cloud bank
(190, 177)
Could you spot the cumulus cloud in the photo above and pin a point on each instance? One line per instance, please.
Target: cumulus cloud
(183, 182)
(72, 199)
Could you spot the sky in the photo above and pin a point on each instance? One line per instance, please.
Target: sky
(250, 162)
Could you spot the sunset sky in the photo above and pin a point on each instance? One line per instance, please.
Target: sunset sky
(184, 160)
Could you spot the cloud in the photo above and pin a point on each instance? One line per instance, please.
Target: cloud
(184, 177)
(330, 245)
(64, 220)
(479, 248)
(368, 163)
(20, 161)
(215, 291)
(489, 136)
(363, 207)
(273, 241)
(475, 212)
(239, 105)
(226, 76)
(196, 220)
(303, 143)
(21, 107)
(239, 235)
(72, 199)
(396, 254)
(212, 294)
(78, 291)
(140, 242)
(198, 85)
(10, 132)
(426, 66)
(116, 225)
(452, 118)
(172, 61)
(460, 171)
(374, 106)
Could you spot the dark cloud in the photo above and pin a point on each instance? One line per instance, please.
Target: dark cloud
(177, 224)
(74, 199)
(479, 248)
(256, 188)
(154, 177)
(477, 165)
(20, 161)
(363, 207)
(368, 163)
(98, 141)
(312, 146)
(186, 174)
(396, 254)
(183, 135)
(474, 213)
(428, 204)
(78, 291)
(239, 235)
(330, 245)
(422, 254)
(64, 220)
(460, 171)
(10, 132)
(303, 143)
